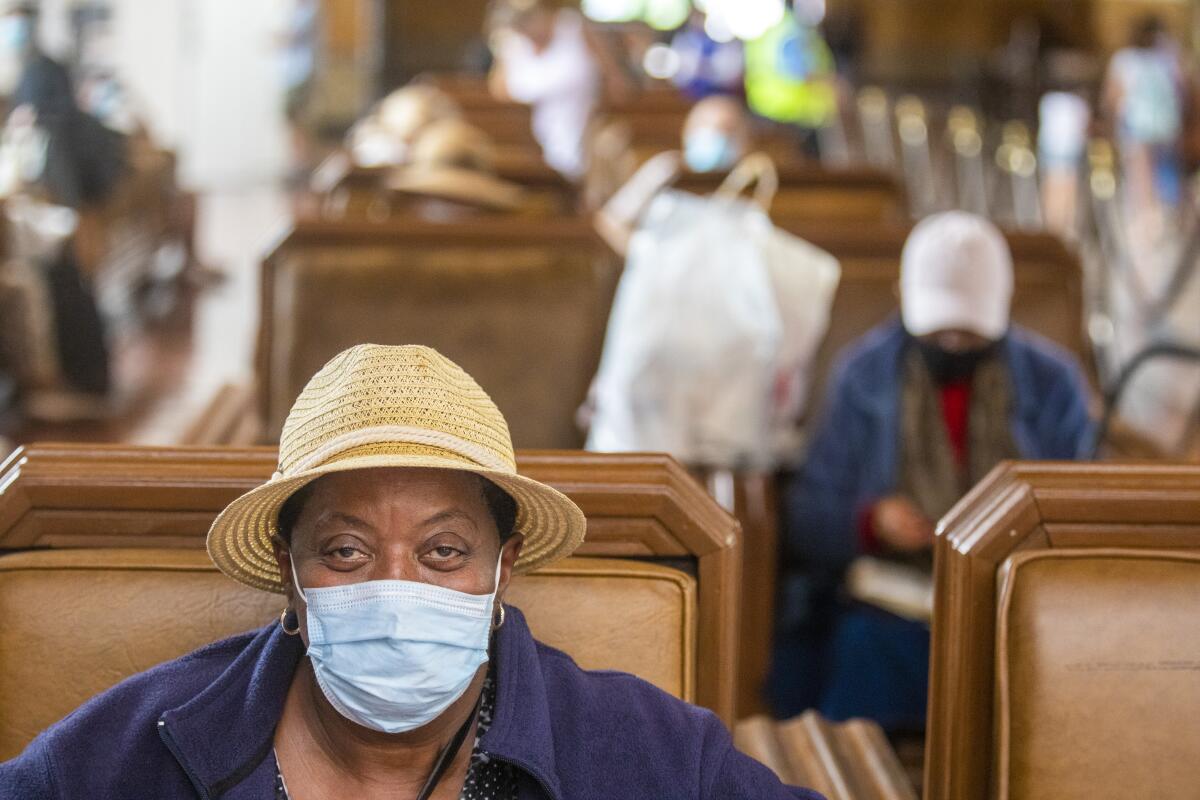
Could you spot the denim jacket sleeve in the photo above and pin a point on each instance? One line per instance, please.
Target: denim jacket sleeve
(1065, 424)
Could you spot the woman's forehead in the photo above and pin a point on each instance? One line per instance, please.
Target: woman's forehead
(392, 486)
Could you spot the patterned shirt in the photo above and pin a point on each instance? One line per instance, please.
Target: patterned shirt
(487, 779)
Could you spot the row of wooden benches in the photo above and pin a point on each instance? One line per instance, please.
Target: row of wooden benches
(1061, 661)
(522, 305)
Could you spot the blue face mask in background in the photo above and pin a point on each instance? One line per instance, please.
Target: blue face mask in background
(393, 655)
(15, 32)
(708, 150)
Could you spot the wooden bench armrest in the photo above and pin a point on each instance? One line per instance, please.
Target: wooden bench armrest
(844, 761)
(229, 418)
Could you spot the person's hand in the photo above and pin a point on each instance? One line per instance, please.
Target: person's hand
(900, 525)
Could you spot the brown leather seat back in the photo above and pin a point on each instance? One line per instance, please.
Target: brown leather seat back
(1096, 674)
(1063, 655)
(817, 194)
(78, 621)
(525, 317)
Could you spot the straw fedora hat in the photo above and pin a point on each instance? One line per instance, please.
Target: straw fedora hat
(454, 160)
(379, 406)
(405, 112)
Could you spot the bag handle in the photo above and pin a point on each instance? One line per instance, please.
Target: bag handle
(757, 170)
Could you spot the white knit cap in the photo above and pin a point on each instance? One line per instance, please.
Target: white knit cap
(956, 273)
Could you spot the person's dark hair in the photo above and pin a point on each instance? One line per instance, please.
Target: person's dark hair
(289, 512)
(499, 502)
(502, 507)
(1146, 32)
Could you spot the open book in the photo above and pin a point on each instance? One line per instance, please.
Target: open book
(899, 588)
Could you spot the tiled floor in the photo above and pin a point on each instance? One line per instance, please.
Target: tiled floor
(234, 231)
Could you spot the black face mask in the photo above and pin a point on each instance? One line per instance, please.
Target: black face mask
(948, 367)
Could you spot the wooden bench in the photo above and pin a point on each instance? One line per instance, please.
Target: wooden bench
(813, 193)
(1063, 658)
(349, 191)
(520, 304)
(847, 761)
(120, 241)
(641, 508)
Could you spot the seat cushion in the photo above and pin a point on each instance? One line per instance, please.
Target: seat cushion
(1098, 674)
(75, 622)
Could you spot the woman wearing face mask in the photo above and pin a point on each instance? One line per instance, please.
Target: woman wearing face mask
(393, 528)
(716, 135)
(918, 411)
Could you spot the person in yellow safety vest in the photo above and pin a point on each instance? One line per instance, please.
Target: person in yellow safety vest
(790, 75)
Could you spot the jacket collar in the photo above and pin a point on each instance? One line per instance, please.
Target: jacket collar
(522, 731)
(222, 735)
(875, 385)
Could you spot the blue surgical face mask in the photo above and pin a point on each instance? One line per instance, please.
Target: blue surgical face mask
(393, 655)
(708, 150)
(15, 32)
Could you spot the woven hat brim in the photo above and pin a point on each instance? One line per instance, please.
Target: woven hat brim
(239, 541)
(457, 184)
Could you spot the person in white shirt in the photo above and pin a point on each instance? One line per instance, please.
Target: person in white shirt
(1063, 120)
(1144, 100)
(546, 58)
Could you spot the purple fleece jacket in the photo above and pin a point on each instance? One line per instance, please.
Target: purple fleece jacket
(202, 726)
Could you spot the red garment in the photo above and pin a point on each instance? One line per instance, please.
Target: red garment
(956, 412)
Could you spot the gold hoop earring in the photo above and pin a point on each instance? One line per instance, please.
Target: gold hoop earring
(283, 622)
(498, 625)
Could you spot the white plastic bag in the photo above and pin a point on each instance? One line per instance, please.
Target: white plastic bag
(23, 148)
(714, 325)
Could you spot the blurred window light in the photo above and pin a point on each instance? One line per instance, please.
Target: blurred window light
(717, 29)
(744, 19)
(661, 62)
(666, 15)
(613, 10)
(810, 12)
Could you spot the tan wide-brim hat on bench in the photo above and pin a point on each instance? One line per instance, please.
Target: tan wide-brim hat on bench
(377, 406)
(453, 160)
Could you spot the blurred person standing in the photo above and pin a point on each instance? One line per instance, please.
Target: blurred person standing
(301, 41)
(1063, 121)
(1143, 99)
(84, 161)
(918, 411)
(790, 78)
(706, 66)
(545, 57)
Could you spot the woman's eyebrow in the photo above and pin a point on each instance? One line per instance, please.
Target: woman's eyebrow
(344, 518)
(448, 514)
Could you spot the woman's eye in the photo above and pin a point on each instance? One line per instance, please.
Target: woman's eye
(445, 551)
(346, 551)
